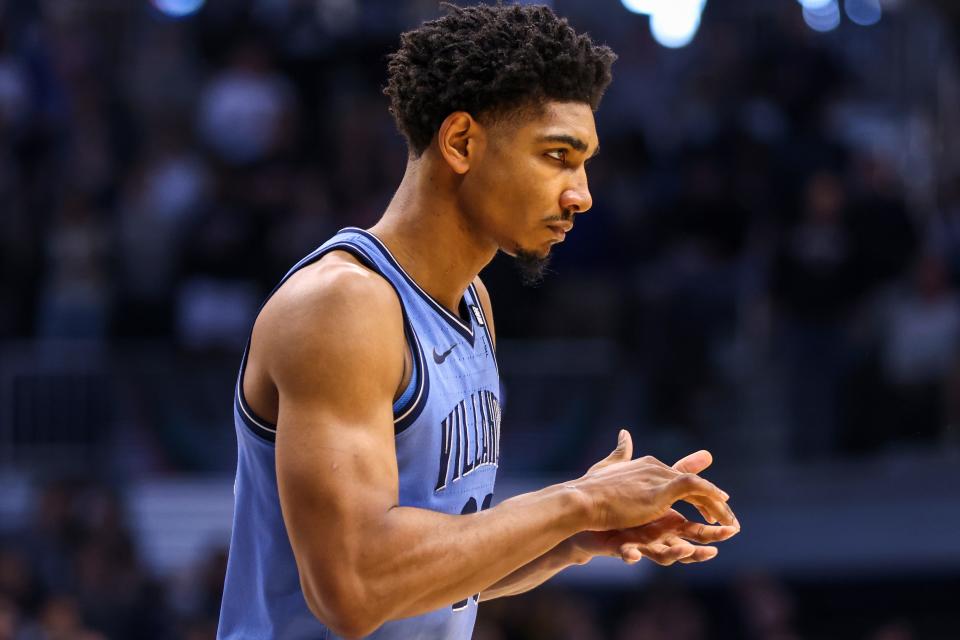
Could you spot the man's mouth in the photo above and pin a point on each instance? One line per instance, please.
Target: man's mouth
(560, 229)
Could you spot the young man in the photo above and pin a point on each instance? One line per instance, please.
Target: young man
(367, 407)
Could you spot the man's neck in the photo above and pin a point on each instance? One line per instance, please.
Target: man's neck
(427, 232)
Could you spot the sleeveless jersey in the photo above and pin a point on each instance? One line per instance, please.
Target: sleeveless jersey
(447, 436)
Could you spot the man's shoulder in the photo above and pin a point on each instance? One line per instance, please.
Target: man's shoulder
(337, 296)
(335, 282)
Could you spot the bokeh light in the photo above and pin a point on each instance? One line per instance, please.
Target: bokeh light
(177, 8)
(645, 7)
(673, 23)
(676, 27)
(825, 17)
(816, 4)
(863, 12)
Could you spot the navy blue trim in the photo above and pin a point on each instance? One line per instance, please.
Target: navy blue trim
(486, 326)
(262, 431)
(457, 323)
(404, 415)
(409, 391)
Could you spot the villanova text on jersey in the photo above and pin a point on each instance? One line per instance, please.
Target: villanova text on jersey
(447, 436)
(473, 427)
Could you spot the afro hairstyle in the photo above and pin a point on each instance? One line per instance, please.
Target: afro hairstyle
(489, 60)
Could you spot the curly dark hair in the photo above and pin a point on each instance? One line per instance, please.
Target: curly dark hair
(488, 60)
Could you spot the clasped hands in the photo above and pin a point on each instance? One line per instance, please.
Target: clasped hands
(671, 537)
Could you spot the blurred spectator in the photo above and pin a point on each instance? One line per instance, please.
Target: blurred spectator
(667, 614)
(920, 329)
(9, 619)
(19, 588)
(814, 289)
(90, 581)
(767, 608)
(246, 110)
(60, 619)
(899, 630)
(76, 295)
(14, 93)
(160, 202)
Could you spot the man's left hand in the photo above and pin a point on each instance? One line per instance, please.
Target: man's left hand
(669, 539)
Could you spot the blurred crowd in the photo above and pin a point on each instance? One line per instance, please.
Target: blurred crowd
(774, 250)
(775, 237)
(73, 572)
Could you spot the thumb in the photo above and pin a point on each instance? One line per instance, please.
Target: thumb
(624, 450)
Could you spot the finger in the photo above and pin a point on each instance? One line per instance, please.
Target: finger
(701, 459)
(708, 513)
(671, 550)
(630, 553)
(671, 522)
(703, 533)
(713, 511)
(660, 553)
(693, 489)
(716, 511)
(679, 549)
(682, 546)
(690, 484)
(695, 462)
(702, 554)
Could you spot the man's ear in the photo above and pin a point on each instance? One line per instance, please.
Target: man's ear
(459, 140)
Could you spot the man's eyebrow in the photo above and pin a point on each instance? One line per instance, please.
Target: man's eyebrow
(572, 141)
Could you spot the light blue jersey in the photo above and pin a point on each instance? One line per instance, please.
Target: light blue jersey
(447, 425)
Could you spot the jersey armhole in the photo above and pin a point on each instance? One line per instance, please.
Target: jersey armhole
(405, 409)
(400, 403)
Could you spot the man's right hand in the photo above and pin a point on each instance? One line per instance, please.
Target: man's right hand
(622, 492)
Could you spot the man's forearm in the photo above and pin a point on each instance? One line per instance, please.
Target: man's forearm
(518, 531)
(536, 572)
(419, 560)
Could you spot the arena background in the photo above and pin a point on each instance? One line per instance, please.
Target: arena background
(770, 271)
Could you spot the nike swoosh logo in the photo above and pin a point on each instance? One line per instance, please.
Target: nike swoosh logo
(440, 357)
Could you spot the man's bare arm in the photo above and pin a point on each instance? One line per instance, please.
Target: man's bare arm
(537, 571)
(332, 342)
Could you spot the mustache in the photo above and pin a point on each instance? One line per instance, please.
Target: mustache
(565, 216)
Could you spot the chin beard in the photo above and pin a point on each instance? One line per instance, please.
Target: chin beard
(532, 267)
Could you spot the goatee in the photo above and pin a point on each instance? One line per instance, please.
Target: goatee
(532, 267)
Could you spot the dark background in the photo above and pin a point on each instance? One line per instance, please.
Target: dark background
(770, 271)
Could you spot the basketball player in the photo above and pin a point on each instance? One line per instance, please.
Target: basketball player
(367, 408)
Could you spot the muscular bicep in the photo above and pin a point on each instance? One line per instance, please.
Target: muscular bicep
(336, 357)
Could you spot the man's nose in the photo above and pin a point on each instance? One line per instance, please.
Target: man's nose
(576, 197)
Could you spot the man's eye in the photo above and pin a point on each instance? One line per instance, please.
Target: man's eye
(559, 155)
